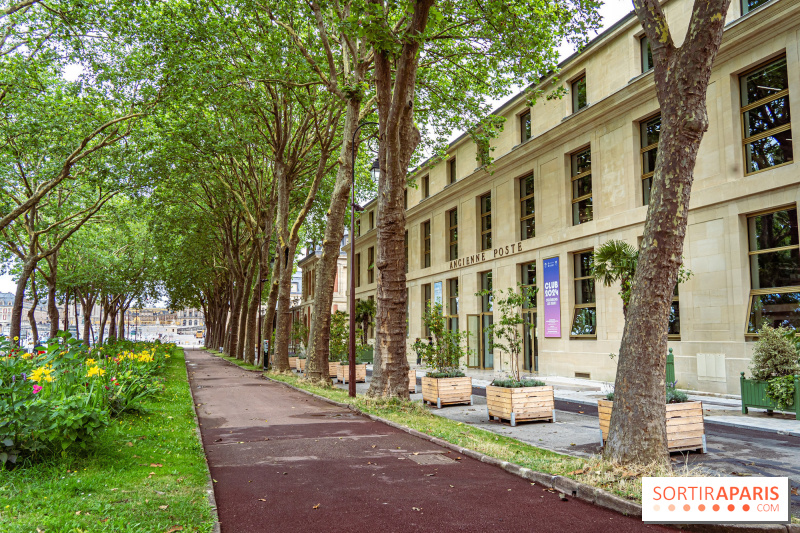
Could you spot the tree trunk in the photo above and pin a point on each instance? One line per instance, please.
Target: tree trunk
(283, 330)
(244, 312)
(272, 303)
(19, 300)
(32, 311)
(320, 335)
(251, 331)
(112, 324)
(52, 307)
(637, 434)
(66, 311)
(395, 79)
(232, 346)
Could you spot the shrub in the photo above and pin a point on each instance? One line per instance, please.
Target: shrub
(511, 383)
(63, 394)
(774, 355)
(676, 396)
(340, 337)
(446, 374)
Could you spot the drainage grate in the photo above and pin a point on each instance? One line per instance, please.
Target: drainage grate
(583, 375)
(431, 459)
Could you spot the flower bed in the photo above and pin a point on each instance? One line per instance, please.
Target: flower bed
(63, 394)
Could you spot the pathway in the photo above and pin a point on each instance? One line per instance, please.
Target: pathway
(283, 461)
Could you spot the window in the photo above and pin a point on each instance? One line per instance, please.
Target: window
(426, 244)
(749, 5)
(579, 94)
(358, 227)
(526, 213)
(530, 359)
(371, 264)
(452, 218)
(487, 318)
(584, 322)
(765, 117)
(774, 270)
(486, 221)
(651, 130)
(405, 245)
(674, 328)
(405, 198)
(371, 220)
(358, 270)
(582, 208)
(426, 305)
(451, 170)
(452, 304)
(647, 54)
(426, 187)
(525, 126)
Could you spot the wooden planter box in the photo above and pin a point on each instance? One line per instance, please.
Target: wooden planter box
(685, 426)
(333, 368)
(293, 362)
(412, 381)
(754, 394)
(343, 373)
(446, 391)
(300, 365)
(521, 404)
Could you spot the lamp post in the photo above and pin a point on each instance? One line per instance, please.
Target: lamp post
(352, 303)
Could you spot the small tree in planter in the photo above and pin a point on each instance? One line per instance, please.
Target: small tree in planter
(515, 399)
(365, 317)
(340, 339)
(445, 383)
(775, 370)
(299, 334)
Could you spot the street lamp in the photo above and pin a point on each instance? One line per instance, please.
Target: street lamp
(375, 171)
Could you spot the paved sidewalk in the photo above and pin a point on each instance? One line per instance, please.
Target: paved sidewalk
(283, 461)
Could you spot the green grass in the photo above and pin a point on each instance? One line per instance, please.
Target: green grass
(113, 486)
(237, 362)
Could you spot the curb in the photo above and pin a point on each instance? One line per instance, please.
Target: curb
(209, 483)
(581, 491)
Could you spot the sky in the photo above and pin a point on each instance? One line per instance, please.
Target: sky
(611, 11)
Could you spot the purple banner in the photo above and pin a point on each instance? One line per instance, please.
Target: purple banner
(552, 298)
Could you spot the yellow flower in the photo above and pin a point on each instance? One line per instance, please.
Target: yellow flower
(95, 371)
(27, 356)
(16, 338)
(91, 362)
(43, 373)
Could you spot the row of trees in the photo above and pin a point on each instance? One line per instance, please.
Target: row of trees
(204, 141)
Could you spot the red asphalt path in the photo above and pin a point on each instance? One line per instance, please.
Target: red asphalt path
(284, 461)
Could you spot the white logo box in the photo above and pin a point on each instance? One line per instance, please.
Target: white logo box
(716, 500)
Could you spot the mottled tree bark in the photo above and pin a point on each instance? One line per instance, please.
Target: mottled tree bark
(638, 427)
(320, 331)
(19, 299)
(395, 79)
(66, 310)
(243, 312)
(32, 312)
(272, 303)
(50, 280)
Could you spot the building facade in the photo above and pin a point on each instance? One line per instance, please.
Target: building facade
(303, 307)
(571, 174)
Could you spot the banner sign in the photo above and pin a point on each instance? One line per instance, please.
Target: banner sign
(715, 500)
(552, 298)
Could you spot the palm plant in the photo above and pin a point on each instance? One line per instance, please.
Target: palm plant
(616, 261)
(365, 315)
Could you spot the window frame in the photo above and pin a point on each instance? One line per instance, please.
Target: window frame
(426, 303)
(525, 126)
(370, 265)
(644, 150)
(788, 289)
(449, 314)
(574, 177)
(426, 186)
(676, 298)
(767, 99)
(743, 5)
(575, 94)
(371, 220)
(452, 169)
(487, 214)
(425, 230)
(452, 230)
(523, 218)
(644, 46)
(575, 305)
(358, 269)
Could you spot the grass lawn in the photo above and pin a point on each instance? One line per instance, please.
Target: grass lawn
(238, 362)
(146, 472)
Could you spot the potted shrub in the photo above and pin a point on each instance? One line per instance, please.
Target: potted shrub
(775, 384)
(685, 426)
(343, 373)
(515, 399)
(445, 383)
(340, 337)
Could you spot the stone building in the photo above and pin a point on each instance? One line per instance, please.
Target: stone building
(572, 173)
